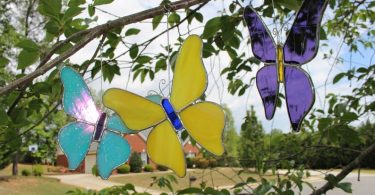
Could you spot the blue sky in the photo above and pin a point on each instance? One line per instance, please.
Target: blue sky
(319, 68)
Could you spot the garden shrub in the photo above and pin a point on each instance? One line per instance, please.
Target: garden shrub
(135, 163)
(94, 171)
(148, 168)
(38, 170)
(125, 168)
(195, 162)
(161, 168)
(212, 163)
(203, 163)
(189, 162)
(26, 172)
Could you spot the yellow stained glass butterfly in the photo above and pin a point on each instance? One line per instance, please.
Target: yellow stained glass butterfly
(204, 121)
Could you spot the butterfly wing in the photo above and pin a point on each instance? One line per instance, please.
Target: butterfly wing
(205, 122)
(138, 113)
(268, 88)
(302, 42)
(299, 93)
(75, 139)
(114, 123)
(164, 148)
(190, 78)
(262, 43)
(113, 151)
(77, 99)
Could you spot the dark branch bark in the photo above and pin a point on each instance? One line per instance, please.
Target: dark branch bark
(92, 33)
(349, 168)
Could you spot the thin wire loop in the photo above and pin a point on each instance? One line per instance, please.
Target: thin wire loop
(168, 53)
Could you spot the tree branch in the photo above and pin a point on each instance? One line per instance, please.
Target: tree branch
(92, 33)
(349, 168)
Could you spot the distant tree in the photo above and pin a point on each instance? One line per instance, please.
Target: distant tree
(231, 137)
(135, 162)
(251, 139)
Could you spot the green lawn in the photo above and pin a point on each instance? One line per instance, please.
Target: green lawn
(212, 177)
(7, 171)
(32, 185)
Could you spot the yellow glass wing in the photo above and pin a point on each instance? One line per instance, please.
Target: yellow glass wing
(205, 123)
(137, 112)
(164, 148)
(190, 78)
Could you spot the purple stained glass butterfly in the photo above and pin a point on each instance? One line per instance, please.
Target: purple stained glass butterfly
(282, 62)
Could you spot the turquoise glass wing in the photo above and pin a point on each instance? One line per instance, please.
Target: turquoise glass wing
(77, 99)
(155, 98)
(115, 123)
(113, 151)
(75, 140)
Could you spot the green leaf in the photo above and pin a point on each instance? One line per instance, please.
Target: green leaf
(28, 45)
(143, 59)
(97, 67)
(143, 74)
(3, 61)
(191, 190)
(212, 27)
(3, 117)
(41, 88)
(133, 51)
(36, 104)
(349, 116)
(71, 13)
(323, 34)
(136, 73)
(292, 5)
(27, 58)
(50, 8)
(102, 2)
(287, 192)
(161, 65)
(53, 28)
(75, 3)
(338, 77)
(91, 10)
(346, 186)
(198, 16)
(156, 21)
(132, 31)
(151, 74)
(64, 48)
(174, 18)
(109, 71)
(251, 180)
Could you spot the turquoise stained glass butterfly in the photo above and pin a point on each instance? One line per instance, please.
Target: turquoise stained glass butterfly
(92, 125)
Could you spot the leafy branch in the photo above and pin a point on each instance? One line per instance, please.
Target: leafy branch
(88, 35)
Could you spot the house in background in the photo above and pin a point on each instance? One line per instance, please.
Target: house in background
(137, 143)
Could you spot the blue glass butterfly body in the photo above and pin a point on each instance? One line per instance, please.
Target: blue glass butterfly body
(172, 116)
(92, 126)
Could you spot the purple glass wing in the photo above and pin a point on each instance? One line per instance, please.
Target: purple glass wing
(299, 93)
(268, 88)
(262, 43)
(302, 43)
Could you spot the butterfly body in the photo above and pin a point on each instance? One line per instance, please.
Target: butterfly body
(100, 127)
(204, 121)
(283, 61)
(92, 125)
(172, 115)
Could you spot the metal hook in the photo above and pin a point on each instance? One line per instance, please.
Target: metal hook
(167, 7)
(152, 92)
(162, 82)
